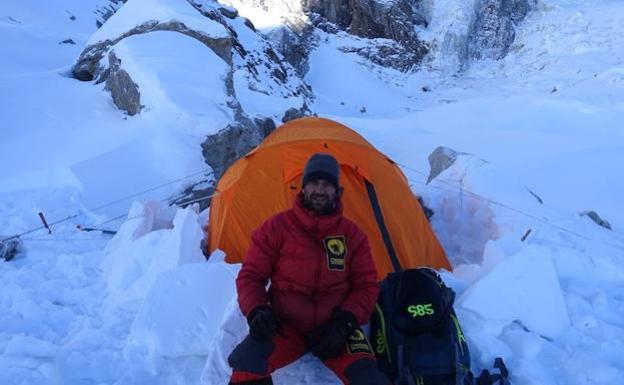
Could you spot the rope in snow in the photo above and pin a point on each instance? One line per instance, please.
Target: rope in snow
(101, 207)
(462, 190)
(64, 240)
(199, 199)
(40, 238)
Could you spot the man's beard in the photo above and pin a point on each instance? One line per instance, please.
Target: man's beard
(327, 207)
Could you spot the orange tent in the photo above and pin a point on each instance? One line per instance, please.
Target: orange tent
(376, 195)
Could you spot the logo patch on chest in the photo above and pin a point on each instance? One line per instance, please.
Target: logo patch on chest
(335, 251)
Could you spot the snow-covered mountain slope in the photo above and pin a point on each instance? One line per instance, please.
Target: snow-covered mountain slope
(538, 138)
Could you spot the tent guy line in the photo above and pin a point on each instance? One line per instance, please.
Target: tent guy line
(122, 216)
(451, 187)
(98, 208)
(461, 190)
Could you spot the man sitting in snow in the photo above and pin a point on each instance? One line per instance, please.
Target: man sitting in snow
(323, 287)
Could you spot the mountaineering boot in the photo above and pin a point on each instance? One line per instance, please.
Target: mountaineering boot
(263, 381)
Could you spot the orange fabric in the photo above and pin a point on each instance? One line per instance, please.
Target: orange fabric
(266, 180)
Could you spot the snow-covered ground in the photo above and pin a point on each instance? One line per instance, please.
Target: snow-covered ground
(143, 307)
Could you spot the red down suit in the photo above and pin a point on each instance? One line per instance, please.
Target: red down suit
(316, 264)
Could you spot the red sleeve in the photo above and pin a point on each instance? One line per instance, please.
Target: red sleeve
(363, 279)
(257, 268)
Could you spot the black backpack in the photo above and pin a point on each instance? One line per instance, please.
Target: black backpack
(415, 333)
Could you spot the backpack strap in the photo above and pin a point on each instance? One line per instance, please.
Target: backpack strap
(461, 339)
(405, 373)
(382, 328)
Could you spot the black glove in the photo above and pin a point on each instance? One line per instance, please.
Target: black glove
(263, 324)
(328, 342)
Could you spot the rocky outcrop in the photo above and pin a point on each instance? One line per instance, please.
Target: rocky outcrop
(370, 18)
(395, 20)
(439, 160)
(220, 151)
(216, 26)
(9, 248)
(296, 113)
(87, 67)
(391, 54)
(389, 27)
(236, 140)
(493, 28)
(253, 70)
(123, 89)
(223, 149)
(260, 63)
(294, 41)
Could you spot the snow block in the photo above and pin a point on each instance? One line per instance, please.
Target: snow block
(522, 288)
(182, 312)
(148, 245)
(28, 346)
(232, 331)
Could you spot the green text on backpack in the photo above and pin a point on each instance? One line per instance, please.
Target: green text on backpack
(420, 310)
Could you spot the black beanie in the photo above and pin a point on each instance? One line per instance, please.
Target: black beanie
(321, 166)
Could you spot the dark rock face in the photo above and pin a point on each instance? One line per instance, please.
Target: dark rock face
(123, 89)
(372, 19)
(334, 11)
(294, 113)
(266, 126)
(389, 26)
(229, 12)
(294, 43)
(231, 143)
(391, 54)
(221, 150)
(493, 29)
(104, 12)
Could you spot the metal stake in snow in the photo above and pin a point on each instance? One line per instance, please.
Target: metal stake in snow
(89, 229)
(45, 223)
(526, 235)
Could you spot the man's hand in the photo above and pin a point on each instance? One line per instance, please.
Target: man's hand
(328, 342)
(263, 324)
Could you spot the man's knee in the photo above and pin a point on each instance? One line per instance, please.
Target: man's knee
(365, 372)
(251, 356)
